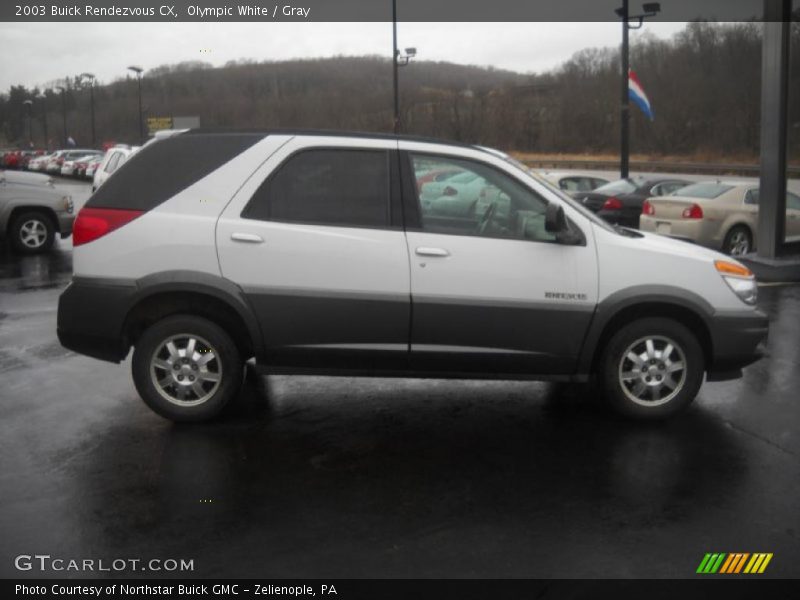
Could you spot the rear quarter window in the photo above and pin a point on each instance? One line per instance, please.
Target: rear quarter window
(156, 173)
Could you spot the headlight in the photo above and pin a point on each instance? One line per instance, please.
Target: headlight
(740, 279)
(69, 206)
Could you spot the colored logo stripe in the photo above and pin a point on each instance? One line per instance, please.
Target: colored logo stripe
(734, 563)
(710, 563)
(758, 563)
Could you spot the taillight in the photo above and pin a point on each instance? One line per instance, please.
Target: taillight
(612, 204)
(94, 223)
(693, 212)
(648, 209)
(448, 191)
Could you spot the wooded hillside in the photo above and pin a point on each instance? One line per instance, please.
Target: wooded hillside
(704, 85)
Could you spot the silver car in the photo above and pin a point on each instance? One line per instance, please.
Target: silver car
(32, 211)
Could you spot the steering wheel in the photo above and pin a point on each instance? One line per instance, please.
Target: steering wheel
(486, 218)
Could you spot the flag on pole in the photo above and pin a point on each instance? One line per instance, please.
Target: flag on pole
(636, 93)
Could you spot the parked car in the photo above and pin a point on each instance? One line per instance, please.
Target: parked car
(11, 159)
(572, 182)
(58, 158)
(91, 167)
(32, 211)
(27, 156)
(299, 250)
(114, 158)
(68, 166)
(620, 202)
(435, 175)
(38, 163)
(715, 214)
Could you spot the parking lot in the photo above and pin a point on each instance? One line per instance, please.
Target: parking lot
(338, 477)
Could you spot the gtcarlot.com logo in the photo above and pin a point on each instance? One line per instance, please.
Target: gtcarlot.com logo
(45, 562)
(734, 563)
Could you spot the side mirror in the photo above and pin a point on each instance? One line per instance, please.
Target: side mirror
(554, 219)
(556, 222)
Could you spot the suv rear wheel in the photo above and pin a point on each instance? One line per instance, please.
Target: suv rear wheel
(651, 368)
(32, 232)
(187, 368)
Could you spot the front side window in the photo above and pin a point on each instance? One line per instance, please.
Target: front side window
(326, 187)
(478, 201)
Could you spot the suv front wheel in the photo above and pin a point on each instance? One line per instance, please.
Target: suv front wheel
(187, 368)
(651, 368)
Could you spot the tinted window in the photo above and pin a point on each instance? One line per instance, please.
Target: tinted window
(162, 169)
(331, 187)
(792, 201)
(708, 189)
(482, 202)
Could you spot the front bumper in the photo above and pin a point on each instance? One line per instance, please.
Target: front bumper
(737, 339)
(65, 222)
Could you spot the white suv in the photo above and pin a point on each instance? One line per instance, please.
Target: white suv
(312, 253)
(115, 157)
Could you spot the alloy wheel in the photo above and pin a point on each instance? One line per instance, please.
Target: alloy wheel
(652, 370)
(186, 370)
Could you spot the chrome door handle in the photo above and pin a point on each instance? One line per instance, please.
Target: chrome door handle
(251, 238)
(425, 251)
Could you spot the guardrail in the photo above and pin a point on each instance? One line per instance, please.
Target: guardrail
(655, 167)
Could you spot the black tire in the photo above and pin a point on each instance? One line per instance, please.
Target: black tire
(32, 232)
(738, 241)
(209, 338)
(642, 390)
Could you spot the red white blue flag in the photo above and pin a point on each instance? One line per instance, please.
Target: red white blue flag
(636, 93)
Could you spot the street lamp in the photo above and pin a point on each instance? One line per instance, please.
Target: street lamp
(63, 91)
(650, 9)
(29, 104)
(44, 120)
(91, 78)
(398, 60)
(138, 71)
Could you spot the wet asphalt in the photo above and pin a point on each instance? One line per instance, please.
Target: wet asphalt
(339, 477)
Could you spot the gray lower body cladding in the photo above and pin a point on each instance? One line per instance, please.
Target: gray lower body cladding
(374, 334)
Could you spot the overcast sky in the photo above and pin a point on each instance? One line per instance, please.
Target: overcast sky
(38, 53)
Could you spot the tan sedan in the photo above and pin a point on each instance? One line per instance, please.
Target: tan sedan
(718, 215)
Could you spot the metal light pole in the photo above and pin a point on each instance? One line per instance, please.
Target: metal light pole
(29, 104)
(63, 111)
(650, 10)
(138, 71)
(44, 120)
(396, 126)
(398, 60)
(90, 77)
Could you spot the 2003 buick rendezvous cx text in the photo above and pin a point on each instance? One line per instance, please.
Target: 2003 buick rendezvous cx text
(335, 254)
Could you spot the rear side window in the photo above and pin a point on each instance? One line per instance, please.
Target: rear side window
(326, 187)
(703, 190)
(156, 173)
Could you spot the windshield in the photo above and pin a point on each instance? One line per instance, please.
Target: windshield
(555, 189)
(621, 186)
(707, 189)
